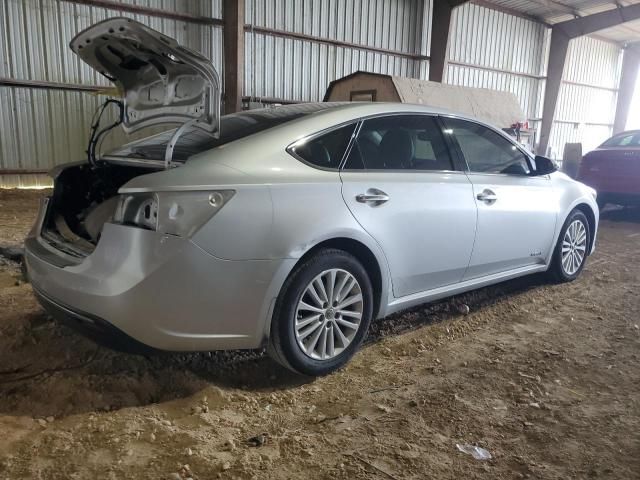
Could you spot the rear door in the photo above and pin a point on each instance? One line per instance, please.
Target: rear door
(400, 184)
(517, 209)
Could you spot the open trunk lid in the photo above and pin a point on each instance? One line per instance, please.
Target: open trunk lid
(162, 81)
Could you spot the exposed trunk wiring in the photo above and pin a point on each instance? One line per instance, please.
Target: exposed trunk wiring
(96, 135)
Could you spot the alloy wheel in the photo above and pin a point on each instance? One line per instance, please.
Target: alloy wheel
(574, 247)
(328, 314)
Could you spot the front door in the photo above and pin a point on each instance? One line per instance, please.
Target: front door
(400, 185)
(517, 210)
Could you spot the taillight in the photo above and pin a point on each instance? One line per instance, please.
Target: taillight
(173, 213)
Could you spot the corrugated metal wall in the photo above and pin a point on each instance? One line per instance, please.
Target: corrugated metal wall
(293, 49)
(39, 127)
(491, 49)
(587, 100)
(300, 69)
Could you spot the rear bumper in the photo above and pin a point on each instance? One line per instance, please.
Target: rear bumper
(97, 329)
(159, 291)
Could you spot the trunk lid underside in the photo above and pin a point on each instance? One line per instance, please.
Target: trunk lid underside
(162, 81)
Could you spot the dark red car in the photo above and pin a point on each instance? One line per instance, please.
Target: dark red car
(613, 169)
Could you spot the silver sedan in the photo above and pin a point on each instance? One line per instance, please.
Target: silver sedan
(292, 227)
(297, 226)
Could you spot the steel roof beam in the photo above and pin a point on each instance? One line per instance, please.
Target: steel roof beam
(599, 21)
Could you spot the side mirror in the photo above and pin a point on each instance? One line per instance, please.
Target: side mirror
(544, 165)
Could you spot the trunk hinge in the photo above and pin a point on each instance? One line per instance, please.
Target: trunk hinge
(168, 154)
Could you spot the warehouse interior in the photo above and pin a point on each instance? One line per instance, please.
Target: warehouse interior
(542, 378)
(571, 65)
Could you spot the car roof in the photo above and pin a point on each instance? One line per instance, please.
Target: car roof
(325, 115)
(335, 113)
(358, 109)
(300, 119)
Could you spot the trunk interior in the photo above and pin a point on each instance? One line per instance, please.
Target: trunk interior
(83, 200)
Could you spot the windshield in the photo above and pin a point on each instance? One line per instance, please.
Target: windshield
(232, 127)
(626, 139)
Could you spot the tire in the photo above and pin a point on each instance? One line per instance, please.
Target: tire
(564, 269)
(291, 342)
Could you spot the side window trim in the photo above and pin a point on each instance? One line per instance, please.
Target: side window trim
(457, 165)
(352, 144)
(460, 154)
(459, 162)
(290, 149)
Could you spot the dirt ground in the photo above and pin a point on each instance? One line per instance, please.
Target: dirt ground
(545, 377)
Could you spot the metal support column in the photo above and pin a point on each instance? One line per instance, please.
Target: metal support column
(555, 68)
(440, 26)
(233, 54)
(628, 79)
(560, 35)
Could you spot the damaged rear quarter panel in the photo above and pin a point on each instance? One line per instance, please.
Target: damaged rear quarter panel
(241, 230)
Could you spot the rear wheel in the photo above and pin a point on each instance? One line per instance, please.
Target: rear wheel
(322, 314)
(572, 248)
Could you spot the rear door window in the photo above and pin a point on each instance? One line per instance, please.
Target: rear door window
(400, 142)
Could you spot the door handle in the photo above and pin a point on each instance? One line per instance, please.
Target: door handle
(487, 196)
(373, 195)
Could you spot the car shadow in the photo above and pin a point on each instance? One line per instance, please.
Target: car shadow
(50, 370)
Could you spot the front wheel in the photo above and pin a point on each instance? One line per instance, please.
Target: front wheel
(322, 314)
(572, 248)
